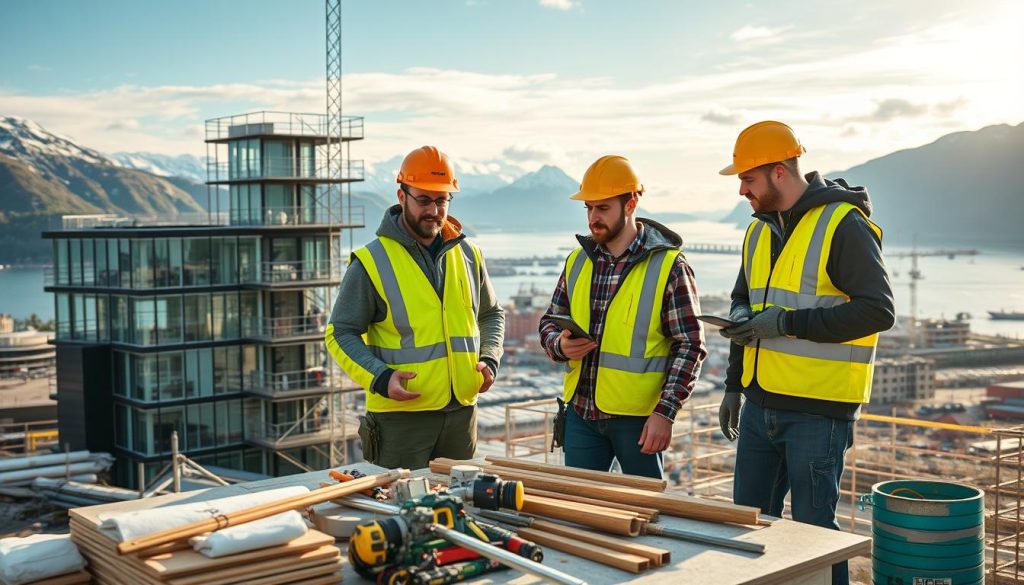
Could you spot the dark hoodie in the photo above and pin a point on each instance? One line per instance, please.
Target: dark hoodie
(855, 266)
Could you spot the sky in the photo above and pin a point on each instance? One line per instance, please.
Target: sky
(506, 86)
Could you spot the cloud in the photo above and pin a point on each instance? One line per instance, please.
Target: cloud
(758, 33)
(899, 108)
(533, 153)
(717, 115)
(37, 68)
(559, 4)
(125, 124)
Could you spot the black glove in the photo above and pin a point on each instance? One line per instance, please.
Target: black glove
(767, 324)
(739, 314)
(729, 415)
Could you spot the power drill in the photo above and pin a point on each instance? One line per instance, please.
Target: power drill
(403, 550)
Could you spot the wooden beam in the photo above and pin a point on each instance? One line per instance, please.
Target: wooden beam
(619, 560)
(649, 514)
(657, 556)
(613, 521)
(625, 480)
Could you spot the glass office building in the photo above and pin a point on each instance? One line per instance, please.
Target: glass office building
(214, 329)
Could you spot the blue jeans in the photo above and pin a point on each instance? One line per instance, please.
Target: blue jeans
(782, 451)
(593, 444)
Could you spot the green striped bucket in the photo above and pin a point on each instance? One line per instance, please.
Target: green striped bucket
(927, 533)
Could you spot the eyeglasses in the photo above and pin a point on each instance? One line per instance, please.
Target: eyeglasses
(424, 201)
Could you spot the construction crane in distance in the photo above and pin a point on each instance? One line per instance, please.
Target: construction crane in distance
(915, 275)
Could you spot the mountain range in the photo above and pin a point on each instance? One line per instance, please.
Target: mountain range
(966, 189)
(963, 188)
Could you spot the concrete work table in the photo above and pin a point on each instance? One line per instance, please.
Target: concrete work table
(794, 553)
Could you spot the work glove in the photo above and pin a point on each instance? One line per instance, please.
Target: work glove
(729, 415)
(767, 324)
(739, 314)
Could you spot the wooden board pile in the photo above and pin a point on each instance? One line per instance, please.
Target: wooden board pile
(76, 578)
(613, 503)
(165, 557)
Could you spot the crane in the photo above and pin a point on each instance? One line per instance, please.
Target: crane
(915, 275)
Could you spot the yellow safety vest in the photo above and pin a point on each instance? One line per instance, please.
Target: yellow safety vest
(838, 372)
(633, 354)
(437, 338)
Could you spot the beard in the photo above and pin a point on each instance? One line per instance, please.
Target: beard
(425, 226)
(769, 201)
(607, 234)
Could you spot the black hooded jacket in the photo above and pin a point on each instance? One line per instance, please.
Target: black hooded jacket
(855, 266)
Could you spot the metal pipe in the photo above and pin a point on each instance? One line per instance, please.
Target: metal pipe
(18, 463)
(505, 557)
(743, 545)
(364, 503)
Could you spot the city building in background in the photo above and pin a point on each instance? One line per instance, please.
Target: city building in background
(214, 329)
(26, 354)
(903, 379)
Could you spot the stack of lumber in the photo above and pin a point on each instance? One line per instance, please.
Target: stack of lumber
(76, 578)
(614, 488)
(164, 557)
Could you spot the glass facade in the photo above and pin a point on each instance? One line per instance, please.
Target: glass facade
(203, 425)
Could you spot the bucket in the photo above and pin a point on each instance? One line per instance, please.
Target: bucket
(927, 533)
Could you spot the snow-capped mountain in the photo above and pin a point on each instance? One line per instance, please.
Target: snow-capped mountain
(43, 173)
(186, 166)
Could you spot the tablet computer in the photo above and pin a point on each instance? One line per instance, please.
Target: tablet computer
(566, 322)
(719, 321)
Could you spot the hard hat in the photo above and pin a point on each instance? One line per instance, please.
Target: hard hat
(609, 176)
(763, 143)
(429, 169)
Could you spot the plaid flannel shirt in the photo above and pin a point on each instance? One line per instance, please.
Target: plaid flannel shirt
(678, 322)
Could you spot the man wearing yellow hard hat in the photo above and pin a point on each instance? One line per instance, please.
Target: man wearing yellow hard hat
(631, 297)
(811, 296)
(417, 324)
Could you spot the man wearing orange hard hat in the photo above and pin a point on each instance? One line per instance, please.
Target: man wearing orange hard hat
(417, 324)
(811, 296)
(623, 317)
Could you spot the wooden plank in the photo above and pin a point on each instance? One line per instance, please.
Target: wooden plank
(611, 558)
(674, 504)
(650, 514)
(613, 521)
(657, 556)
(606, 477)
(235, 574)
(185, 562)
(69, 579)
(303, 576)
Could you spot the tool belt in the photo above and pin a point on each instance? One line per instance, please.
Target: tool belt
(558, 430)
(369, 434)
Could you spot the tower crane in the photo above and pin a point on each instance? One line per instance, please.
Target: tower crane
(915, 275)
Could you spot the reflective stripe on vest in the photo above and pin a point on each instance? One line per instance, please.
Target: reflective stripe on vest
(799, 280)
(633, 355)
(437, 338)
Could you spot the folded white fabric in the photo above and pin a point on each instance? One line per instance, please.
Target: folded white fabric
(36, 557)
(131, 525)
(271, 531)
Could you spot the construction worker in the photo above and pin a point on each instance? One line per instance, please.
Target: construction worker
(417, 324)
(811, 296)
(629, 286)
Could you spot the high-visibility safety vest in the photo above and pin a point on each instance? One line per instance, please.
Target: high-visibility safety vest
(633, 354)
(839, 372)
(437, 338)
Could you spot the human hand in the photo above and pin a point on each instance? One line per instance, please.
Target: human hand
(396, 388)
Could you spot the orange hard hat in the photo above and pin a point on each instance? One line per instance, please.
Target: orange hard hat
(429, 169)
(763, 143)
(609, 176)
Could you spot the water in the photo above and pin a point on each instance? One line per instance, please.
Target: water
(992, 281)
(21, 293)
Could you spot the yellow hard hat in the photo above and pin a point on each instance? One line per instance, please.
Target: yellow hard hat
(429, 169)
(763, 143)
(609, 176)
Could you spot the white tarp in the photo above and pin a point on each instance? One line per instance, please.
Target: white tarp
(40, 556)
(131, 525)
(273, 531)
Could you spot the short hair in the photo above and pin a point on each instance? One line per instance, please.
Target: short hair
(791, 165)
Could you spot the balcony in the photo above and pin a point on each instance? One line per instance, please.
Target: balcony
(283, 169)
(270, 123)
(299, 328)
(301, 272)
(315, 215)
(299, 383)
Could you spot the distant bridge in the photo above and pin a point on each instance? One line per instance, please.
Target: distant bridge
(732, 249)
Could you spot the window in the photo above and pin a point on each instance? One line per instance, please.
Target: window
(170, 366)
(144, 377)
(60, 258)
(168, 319)
(277, 159)
(142, 263)
(171, 419)
(223, 254)
(113, 272)
(195, 260)
(75, 264)
(248, 259)
(124, 262)
(102, 274)
(201, 425)
(88, 264)
(144, 329)
(167, 262)
(197, 318)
